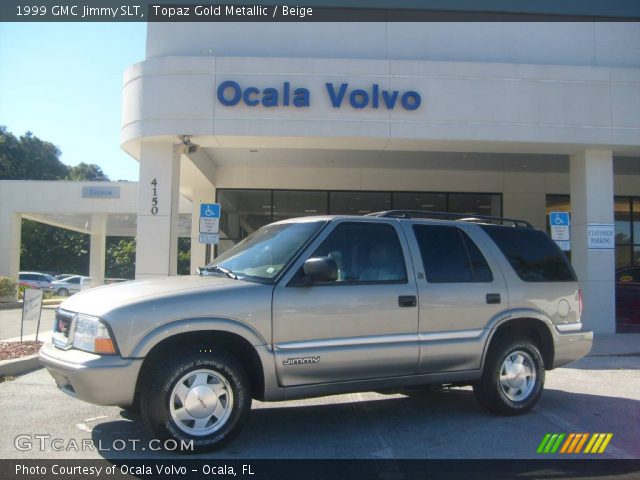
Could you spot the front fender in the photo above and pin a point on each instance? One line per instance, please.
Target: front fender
(152, 338)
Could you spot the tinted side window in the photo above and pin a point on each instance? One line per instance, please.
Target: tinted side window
(74, 280)
(365, 252)
(450, 256)
(532, 254)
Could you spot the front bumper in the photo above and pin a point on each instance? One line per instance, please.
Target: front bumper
(570, 347)
(98, 379)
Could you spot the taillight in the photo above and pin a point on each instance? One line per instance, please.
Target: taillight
(579, 303)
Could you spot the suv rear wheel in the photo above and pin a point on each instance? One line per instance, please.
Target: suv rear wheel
(513, 377)
(203, 397)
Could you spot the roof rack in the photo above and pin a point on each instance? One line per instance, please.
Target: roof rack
(461, 217)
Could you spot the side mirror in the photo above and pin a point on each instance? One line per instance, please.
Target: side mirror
(321, 269)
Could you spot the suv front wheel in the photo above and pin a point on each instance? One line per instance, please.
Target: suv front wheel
(513, 377)
(203, 398)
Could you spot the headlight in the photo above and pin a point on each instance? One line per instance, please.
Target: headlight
(92, 335)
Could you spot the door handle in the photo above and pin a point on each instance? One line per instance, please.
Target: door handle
(493, 298)
(407, 301)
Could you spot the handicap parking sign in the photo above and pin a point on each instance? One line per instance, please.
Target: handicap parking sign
(559, 219)
(209, 222)
(210, 210)
(560, 232)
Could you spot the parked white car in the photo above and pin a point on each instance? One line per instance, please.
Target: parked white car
(35, 280)
(71, 285)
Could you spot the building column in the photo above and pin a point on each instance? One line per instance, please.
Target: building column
(592, 203)
(10, 231)
(98, 247)
(159, 193)
(200, 196)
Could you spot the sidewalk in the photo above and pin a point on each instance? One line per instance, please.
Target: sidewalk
(615, 344)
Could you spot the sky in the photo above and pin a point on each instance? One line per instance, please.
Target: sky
(63, 82)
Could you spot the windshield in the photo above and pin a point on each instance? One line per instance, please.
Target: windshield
(263, 254)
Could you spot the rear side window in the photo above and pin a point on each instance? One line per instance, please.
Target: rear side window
(450, 256)
(532, 254)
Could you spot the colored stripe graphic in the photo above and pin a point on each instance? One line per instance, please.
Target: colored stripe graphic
(552, 442)
(582, 442)
(567, 443)
(543, 443)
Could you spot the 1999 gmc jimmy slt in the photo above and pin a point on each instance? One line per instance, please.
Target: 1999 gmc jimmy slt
(323, 305)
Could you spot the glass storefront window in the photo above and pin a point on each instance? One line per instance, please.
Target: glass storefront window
(478, 203)
(245, 210)
(435, 202)
(622, 219)
(636, 221)
(298, 203)
(627, 225)
(358, 203)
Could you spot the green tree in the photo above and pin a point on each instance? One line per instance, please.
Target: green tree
(87, 172)
(51, 249)
(29, 158)
(184, 255)
(121, 257)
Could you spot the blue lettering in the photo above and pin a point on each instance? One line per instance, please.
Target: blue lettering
(237, 93)
(285, 95)
(375, 101)
(270, 98)
(252, 102)
(359, 99)
(411, 100)
(336, 100)
(301, 97)
(390, 100)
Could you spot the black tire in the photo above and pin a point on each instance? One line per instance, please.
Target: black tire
(160, 402)
(63, 292)
(520, 393)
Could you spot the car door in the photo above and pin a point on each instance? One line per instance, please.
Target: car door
(364, 324)
(459, 288)
(74, 284)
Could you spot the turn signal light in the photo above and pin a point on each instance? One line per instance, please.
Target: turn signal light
(104, 345)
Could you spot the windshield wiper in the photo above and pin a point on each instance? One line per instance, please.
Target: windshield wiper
(217, 268)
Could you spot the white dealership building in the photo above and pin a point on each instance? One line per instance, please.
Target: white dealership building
(280, 120)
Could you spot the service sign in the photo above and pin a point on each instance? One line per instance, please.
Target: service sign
(32, 304)
(601, 236)
(101, 192)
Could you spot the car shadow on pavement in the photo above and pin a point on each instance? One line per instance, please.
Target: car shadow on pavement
(446, 424)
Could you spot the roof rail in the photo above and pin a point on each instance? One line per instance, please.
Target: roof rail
(462, 217)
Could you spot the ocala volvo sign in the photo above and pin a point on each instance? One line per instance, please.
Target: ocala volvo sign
(231, 93)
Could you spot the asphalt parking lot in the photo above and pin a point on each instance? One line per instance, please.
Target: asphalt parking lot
(598, 394)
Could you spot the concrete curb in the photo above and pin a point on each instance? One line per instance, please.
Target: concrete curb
(19, 366)
(10, 305)
(45, 303)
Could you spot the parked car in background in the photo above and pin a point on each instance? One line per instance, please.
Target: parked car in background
(35, 280)
(109, 281)
(628, 300)
(62, 276)
(71, 285)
